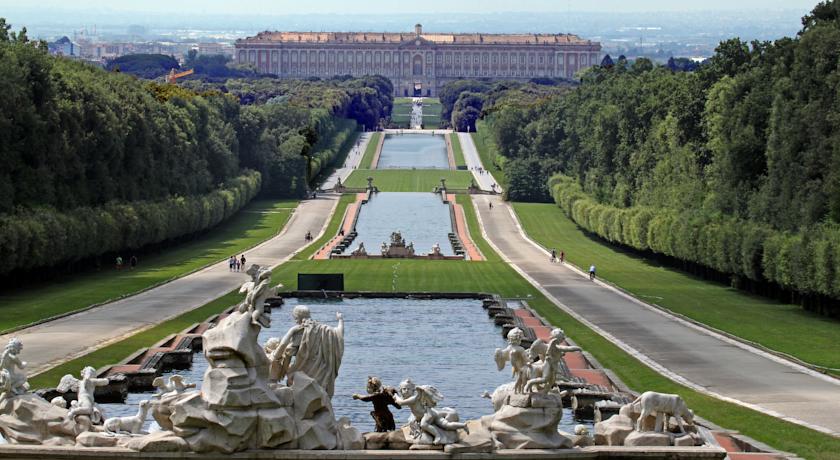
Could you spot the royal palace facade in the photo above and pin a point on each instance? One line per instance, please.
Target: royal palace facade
(418, 64)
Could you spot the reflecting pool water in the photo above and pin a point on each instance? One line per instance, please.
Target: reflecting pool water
(417, 151)
(447, 343)
(421, 217)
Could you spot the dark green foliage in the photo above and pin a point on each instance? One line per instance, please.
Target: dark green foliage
(42, 237)
(217, 66)
(148, 66)
(466, 111)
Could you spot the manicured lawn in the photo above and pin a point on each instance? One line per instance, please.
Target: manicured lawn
(495, 276)
(782, 327)
(258, 222)
(487, 152)
(457, 151)
(401, 113)
(370, 151)
(409, 180)
(431, 113)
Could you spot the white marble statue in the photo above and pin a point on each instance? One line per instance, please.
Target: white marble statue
(12, 370)
(436, 249)
(544, 382)
(176, 385)
(309, 347)
(256, 291)
(662, 405)
(129, 425)
(517, 357)
(85, 389)
(428, 424)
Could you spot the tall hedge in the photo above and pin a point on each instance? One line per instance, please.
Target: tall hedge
(807, 262)
(41, 237)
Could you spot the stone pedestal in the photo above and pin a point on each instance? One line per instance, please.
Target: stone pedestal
(528, 421)
(29, 419)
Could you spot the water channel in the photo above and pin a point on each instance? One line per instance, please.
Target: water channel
(413, 151)
(447, 343)
(421, 217)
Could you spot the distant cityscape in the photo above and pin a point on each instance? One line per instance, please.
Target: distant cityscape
(99, 37)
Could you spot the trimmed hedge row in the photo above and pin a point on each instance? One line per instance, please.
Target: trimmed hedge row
(338, 135)
(44, 237)
(807, 262)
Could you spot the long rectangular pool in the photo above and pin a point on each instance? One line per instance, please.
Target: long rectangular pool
(447, 343)
(421, 217)
(413, 151)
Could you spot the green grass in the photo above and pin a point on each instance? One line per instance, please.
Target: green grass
(782, 327)
(495, 276)
(401, 113)
(431, 113)
(488, 152)
(457, 151)
(258, 222)
(409, 180)
(370, 151)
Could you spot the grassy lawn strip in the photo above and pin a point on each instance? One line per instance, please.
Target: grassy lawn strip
(488, 152)
(409, 180)
(457, 151)
(256, 223)
(783, 327)
(116, 352)
(370, 151)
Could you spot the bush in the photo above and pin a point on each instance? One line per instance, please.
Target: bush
(45, 237)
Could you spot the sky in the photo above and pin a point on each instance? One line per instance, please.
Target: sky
(280, 7)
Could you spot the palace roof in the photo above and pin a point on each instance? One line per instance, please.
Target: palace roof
(396, 38)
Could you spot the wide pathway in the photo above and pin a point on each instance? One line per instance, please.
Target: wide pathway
(705, 361)
(483, 178)
(52, 343)
(354, 158)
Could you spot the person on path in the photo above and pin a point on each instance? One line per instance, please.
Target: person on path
(562, 257)
(553, 255)
(231, 263)
(119, 263)
(132, 262)
(242, 261)
(592, 273)
(491, 205)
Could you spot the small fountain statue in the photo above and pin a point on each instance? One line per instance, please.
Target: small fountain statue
(517, 357)
(554, 352)
(85, 406)
(360, 251)
(381, 397)
(428, 424)
(12, 370)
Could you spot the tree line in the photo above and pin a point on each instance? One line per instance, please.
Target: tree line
(96, 161)
(733, 167)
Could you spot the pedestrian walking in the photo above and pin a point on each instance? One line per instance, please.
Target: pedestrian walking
(562, 257)
(132, 262)
(553, 255)
(491, 205)
(231, 263)
(242, 261)
(592, 273)
(119, 263)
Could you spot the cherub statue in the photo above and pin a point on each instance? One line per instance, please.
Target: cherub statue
(436, 249)
(176, 384)
(84, 388)
(256, 291)
(309, 347)
(518, 360)
(439, 424)
(554, 352)
(12, 370)
(381, 397)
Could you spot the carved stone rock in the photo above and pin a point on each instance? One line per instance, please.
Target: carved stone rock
(648, 439)
(30, 419)
(479, 440)
(96, 439)
(391, 440)
(161, 441)
(521, 425)
(613, 431)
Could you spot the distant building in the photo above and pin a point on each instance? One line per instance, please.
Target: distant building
(418, 63)
(209, 49)
(65, 47)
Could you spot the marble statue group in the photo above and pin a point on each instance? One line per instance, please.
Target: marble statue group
(278, 395)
